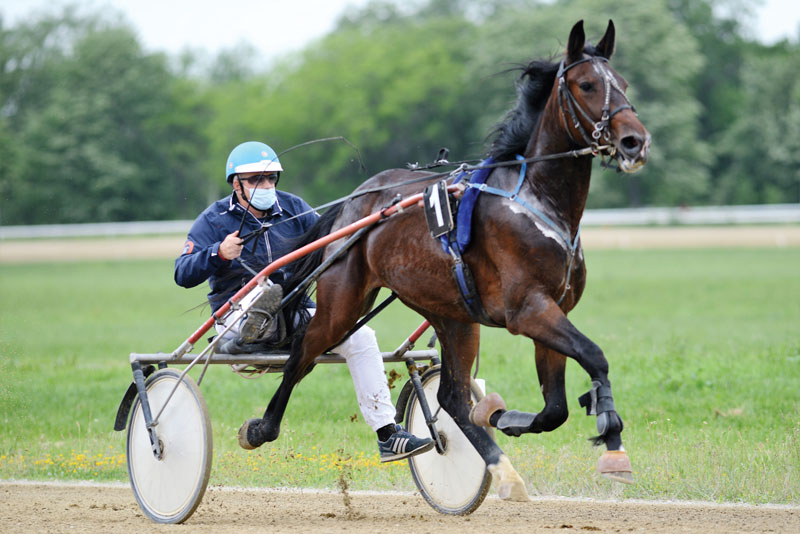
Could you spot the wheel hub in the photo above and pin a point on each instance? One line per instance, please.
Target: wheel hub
(443, 441)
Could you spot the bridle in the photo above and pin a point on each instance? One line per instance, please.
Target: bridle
(570, 105)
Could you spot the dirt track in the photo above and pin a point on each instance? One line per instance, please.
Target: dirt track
(43, 250)
(56, 509)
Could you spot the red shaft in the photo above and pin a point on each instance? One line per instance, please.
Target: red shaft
(419, 331)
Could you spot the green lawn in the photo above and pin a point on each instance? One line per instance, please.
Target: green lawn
(704, 350)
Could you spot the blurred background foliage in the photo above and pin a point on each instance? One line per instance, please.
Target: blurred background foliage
(95, 128)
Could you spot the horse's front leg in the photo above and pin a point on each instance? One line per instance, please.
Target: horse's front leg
(491, 410)
(542, 320)
(550, 367)
(460, 344)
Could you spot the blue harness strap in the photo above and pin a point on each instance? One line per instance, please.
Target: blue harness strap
(457, 240)
(466, 206)
(455, 245)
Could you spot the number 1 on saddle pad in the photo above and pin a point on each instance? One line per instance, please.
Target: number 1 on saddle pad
(437, 209)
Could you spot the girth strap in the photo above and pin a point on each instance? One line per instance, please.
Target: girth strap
(469, 293)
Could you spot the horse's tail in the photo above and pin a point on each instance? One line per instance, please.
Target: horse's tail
(302, 268)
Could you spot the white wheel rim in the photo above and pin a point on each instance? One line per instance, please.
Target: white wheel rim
(169, 486)
(454, 479)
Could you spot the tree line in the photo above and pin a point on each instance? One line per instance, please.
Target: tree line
(95, 128)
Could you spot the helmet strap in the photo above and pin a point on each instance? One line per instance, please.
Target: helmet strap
(241, 188)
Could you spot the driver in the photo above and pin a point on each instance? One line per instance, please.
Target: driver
(214, 251)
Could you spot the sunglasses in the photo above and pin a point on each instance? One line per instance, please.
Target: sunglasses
(261, 179)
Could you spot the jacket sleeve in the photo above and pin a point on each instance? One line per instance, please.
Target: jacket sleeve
(200, 256)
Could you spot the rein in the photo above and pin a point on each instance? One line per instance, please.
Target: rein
(464, 166)
(568, 104)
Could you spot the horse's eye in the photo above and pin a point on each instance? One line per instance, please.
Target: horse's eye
(586, 86)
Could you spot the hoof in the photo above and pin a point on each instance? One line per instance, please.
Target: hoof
(510, 486)
(481, 412)
(243, 442)
(616, 466)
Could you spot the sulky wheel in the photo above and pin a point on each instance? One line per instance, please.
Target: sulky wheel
(168, 490)
(456, 481)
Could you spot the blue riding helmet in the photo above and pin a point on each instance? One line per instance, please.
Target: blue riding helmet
(251, 156)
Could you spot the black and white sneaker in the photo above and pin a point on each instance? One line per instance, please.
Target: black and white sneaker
(402, 444)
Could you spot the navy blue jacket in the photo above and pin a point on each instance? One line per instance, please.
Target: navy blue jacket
(200, 259)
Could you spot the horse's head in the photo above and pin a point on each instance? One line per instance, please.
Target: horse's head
(592, 101)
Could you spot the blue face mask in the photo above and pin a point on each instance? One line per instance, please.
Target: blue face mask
(262, 199)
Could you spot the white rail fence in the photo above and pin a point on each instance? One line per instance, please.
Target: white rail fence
(688, 216)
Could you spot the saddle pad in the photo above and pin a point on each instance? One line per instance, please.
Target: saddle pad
(463, 231)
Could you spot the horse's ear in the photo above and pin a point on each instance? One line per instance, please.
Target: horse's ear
(577, 39)
(606, 45)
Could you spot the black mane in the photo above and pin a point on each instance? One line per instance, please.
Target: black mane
(512, 134)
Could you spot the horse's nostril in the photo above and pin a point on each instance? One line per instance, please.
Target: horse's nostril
(630, 144)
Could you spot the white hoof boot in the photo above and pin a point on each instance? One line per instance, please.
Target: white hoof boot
(510, 486)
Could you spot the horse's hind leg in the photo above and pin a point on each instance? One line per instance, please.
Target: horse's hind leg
(460, 344)
(256, 432)
(340, 302)
(320, 335)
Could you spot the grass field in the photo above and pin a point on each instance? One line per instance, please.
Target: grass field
(704, 349)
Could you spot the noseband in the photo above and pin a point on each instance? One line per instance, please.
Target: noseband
(569, 104)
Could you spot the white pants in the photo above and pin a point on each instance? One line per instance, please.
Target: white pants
(364, 361)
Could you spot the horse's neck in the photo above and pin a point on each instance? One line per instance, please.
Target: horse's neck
(562, 183)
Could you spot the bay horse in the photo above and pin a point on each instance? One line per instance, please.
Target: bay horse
(525, 256)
